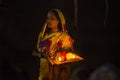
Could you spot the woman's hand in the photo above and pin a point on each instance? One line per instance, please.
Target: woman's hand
(44, 55)
(40, 55)
(36, 54)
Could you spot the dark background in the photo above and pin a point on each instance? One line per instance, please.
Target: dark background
(96, 34)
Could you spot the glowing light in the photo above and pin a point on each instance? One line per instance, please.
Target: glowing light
(73, 56)
(70, 56)
(59, 58)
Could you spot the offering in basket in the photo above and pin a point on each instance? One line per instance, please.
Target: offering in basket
(63, 57)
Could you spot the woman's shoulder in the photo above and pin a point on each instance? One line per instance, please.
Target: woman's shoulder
(66, 36)
(66, 33)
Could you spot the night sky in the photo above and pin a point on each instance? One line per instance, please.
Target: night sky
(96, 40)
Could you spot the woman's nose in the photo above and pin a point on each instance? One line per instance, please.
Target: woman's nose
(48, 20)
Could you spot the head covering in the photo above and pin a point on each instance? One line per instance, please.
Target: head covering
(63, 23)
(106, 72)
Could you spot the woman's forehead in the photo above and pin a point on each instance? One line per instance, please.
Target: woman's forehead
(51, 13)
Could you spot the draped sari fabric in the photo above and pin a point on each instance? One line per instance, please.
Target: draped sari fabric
(50, 44)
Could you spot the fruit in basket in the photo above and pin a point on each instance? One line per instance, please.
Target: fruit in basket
(70, 56)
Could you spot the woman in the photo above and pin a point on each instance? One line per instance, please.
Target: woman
(52, 39)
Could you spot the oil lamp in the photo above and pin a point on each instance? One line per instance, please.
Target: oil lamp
(61, 56)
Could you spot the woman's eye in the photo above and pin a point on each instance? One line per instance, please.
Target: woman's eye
(52, 18)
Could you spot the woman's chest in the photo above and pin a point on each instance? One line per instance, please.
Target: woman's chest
(50, 41)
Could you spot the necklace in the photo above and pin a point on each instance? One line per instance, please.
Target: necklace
(49, 33)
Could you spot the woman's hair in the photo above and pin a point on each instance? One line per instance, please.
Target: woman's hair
(58, 17)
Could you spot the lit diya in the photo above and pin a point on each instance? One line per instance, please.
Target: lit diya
(61, 56)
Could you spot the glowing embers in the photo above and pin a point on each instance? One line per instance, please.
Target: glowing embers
(63, 57)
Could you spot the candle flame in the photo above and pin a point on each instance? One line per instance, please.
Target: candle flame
(59, 58)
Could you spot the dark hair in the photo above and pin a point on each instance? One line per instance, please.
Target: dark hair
(57, 16)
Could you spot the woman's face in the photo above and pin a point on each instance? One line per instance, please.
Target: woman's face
(52, 20)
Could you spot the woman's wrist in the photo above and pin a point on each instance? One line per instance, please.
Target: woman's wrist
(36, 54)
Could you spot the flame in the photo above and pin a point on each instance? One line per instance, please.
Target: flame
(59, 58)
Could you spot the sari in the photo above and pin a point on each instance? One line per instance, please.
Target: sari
(51, 44)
